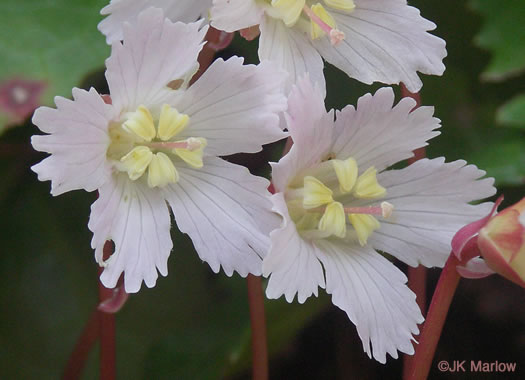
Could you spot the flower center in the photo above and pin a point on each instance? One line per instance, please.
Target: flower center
(297, 12)
(320, 200)
(137, 145)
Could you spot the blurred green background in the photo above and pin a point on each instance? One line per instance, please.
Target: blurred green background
(194, 324)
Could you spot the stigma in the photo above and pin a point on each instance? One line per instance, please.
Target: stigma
(146, 146)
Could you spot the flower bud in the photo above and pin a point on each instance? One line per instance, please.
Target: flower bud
(502, 243)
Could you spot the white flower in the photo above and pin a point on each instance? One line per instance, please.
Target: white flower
(154, 145)
(370, 40)
(341, 205)
(120, 11)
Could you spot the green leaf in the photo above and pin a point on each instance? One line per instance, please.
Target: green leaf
(512, 113)
(468, 129)
(46, 48)
(502, 156)
(503, 34)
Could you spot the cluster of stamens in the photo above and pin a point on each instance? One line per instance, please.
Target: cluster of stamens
(137, 146)
(321, 21)
(319, 211)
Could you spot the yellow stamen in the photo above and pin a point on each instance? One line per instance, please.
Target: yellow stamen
(309, 221)
(137, 161)
(364, 225)
(333, 220)
(141, 124)
(367, 185)
(315, 193)
(194, 153)
(287, 10)
(161, 171)
(346, 172)
(171, 122)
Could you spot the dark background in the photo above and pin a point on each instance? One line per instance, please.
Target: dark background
(194, 324)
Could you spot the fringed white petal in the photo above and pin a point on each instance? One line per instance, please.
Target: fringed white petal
(293, 52)
(233, 15)
(235, 107)
(77, 141)
(380, 134)
(137, 219)
(154, 53)
(311, 129)
(292, 263)
(430, 205)
(374, 295)
(120, 11)
(227, 213)
(385, 41)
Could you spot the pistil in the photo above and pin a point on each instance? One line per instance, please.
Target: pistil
(190, 144)
(385, 210)
(336, 36)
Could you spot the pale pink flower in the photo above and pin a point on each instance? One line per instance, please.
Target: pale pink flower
(158, 144)
(343, 205)
(370, 40)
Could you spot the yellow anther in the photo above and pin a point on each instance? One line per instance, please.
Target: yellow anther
(161, 171)
(364, 225)
(367, 185)
(315, 193)
(344, 5)
(171, 122)
(287, 10)
(315, 30)
(346, 172)
(333, 220)
(309, 221)
(194, 153)
(141, 124)
(136, 161)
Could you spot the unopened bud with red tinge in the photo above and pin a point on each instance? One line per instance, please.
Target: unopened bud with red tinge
(502, 243)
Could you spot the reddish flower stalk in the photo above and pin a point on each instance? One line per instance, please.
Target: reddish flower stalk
(258, 328)
(100, 324)
(108, 366)
(441, 300)
(102, 321)
(78, 357)
(417, 277)
(218, 40)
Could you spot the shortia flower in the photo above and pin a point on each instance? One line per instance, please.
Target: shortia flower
(370, 40)
(157, 143)
(343, 206)
(120, 11)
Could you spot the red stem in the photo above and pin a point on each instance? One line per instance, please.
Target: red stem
(417, 277)
(258, 328)
(102, 324)
(414, 95)
(207, 54)
(108, 366)
(437, 313)
(417, 281)
(77, 360)
(254, 284)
